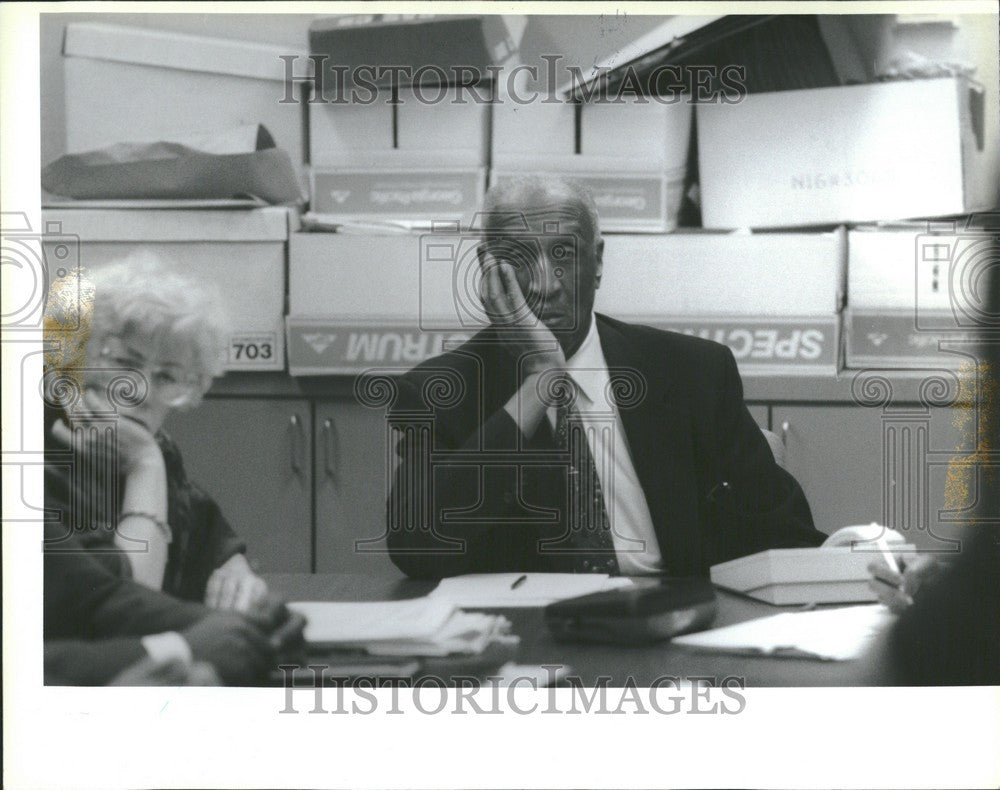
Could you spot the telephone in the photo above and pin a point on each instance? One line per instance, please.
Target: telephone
(864, 534)
(836, 572)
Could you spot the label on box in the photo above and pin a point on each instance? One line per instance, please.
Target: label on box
(628, 201)
(893, 339)
(378, 194)
(789, 343)
(254, 351)
(319, 348)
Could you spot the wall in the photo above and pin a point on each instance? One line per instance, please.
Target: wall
(290, 29)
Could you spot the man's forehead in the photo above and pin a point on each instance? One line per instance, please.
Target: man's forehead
(547, 218)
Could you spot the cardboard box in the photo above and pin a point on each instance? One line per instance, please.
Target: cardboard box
(773, 298)
(657, 134)
(534, 128)
(426, 47)
(241, 252)
(443, 120)
(397, 186)
(885, 151)
(360, 301)
(630, 198)
(338, 133)
(914, 292)
(134, 85)
(637, 188)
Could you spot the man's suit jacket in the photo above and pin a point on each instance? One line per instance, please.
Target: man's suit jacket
(471, 494)
(94, 618)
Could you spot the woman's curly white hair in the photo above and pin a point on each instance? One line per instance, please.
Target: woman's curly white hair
(140, 297)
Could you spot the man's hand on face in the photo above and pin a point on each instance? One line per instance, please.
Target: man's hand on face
(504, 302)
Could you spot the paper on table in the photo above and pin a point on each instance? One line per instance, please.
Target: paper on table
(839, 634)
(335, 622)
(486, 590)
(416, 627)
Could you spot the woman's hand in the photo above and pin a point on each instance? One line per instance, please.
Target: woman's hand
(896, 590)
(135, 444)
(233, 585)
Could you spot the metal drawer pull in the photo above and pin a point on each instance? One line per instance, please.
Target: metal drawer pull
(296, 423)
(331, 450)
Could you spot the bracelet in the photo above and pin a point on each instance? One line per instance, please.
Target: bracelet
(168, 534)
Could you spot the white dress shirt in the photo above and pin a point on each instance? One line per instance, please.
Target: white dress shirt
(632, 530)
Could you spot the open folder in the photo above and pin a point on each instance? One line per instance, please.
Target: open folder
(513, 590)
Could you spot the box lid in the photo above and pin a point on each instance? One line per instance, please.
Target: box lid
(185, 52)
(157, 225)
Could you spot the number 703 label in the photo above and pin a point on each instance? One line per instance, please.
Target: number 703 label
(254, 350)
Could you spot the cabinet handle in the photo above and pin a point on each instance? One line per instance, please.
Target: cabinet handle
(331, 449)
(784, 433)
(296, 425)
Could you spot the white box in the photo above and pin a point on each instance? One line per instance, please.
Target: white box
(339, 132)
(533, 128)
(637, 187)
(912, 291)
(358, 302)
(631, 197)
(639, 128)
(829, 574)
(773, 298)
(241, 252)
(132, 85)
(434, 120)
(397, 186)
(884, 151)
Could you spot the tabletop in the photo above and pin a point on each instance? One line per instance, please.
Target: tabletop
(589, 663)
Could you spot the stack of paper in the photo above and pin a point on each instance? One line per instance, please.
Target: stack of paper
(416, 627)
(832, 634)
(513, 590)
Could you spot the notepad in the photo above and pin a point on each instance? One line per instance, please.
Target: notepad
(839, 634)
(498, 590)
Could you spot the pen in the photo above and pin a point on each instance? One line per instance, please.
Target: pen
(890, 560)
(518, 582)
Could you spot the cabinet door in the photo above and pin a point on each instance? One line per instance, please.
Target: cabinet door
(858, 465)
(353, 470)
(759, 413)
(253, 456)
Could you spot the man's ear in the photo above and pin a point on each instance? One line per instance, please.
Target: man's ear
(598, 261)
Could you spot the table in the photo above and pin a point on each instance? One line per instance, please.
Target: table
(643, 664)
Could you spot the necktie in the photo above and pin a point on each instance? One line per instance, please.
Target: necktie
(589, 547)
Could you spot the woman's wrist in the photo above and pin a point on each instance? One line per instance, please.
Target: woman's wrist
(147, 460)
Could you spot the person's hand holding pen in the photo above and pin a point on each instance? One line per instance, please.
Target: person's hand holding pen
(895, 582)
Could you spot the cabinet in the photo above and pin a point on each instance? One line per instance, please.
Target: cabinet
(354, 462)
(760, 414)
(858, 464)
(253, 455)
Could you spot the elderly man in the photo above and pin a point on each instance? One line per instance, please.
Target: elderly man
(558, 439)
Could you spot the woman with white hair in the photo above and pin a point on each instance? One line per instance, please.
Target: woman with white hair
(134, 343)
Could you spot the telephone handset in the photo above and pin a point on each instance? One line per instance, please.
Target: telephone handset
(863, 533)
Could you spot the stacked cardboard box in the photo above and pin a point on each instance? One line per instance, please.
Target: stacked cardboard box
(241, 253)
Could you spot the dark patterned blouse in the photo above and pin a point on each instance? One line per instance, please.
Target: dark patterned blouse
(83, 494)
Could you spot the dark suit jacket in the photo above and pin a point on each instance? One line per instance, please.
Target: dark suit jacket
(94, 618)
(471, 494)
